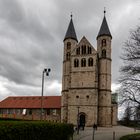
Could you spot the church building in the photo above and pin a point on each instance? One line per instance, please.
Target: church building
(86, 80)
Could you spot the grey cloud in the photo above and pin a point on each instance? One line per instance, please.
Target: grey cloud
(24, 62)
(29, 43)
(12, 12)
(26, 46)
(23, 90)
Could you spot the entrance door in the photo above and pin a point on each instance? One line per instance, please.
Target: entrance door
(82, 120)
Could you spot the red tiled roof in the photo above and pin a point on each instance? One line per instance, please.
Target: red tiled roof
(31, 102)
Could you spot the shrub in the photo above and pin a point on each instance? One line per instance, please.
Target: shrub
(34, 130)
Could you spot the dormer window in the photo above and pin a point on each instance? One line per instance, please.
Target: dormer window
(103, 42)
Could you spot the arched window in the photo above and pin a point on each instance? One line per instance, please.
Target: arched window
(103, 42)
(78, 51)
(90, 62)
(68, 56)
(68, 45)
(84, 49)
(89, 50)
(76, 63)
(104, 53)
(83, 62)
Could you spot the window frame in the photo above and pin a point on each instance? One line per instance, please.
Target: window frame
(103, 42)
(104, 53)
(76, 62)
(68, 45)
(83, 62)
(90, 62)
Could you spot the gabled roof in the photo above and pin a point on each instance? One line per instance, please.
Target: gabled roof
(104, 30)
(85, 41)
(71, 31)
(31, 102)
(82, 42)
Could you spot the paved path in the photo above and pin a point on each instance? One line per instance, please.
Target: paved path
(104, 133)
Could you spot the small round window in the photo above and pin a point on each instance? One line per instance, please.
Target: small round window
(77, 96)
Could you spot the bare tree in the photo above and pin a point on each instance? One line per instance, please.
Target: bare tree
(127, 115)
(137, 113)
(130, 71)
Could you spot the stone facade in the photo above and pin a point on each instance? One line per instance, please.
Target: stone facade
(86, 81)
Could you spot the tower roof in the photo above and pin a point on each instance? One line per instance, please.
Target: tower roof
(71, 31)
(104, 29)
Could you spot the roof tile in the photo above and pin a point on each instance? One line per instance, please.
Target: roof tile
(31, 102)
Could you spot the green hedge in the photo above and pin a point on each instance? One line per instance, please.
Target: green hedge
(131, 137)
(10, 119)
(34, 130)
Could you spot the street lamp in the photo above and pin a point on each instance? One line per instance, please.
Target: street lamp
(47, 71)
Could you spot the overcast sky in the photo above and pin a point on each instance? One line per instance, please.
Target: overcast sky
(32, 33)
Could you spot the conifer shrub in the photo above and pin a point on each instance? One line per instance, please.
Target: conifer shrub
(35, 130)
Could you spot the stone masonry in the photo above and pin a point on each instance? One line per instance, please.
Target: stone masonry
(86, 81)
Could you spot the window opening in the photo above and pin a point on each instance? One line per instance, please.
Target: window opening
(76, 63)
(83, 62)
(77, 96)
(78, 51)
(104, 53)
(84, 49)
(103, 42)
(68, 56)
(90, 62)
(68, 45)
(89, 50)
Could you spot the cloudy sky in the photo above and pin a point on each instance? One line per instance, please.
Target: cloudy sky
(32, 33)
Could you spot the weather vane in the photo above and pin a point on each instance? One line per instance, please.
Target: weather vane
(71, 15)
(104, 11)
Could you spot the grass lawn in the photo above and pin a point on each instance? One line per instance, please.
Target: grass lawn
(131, 137)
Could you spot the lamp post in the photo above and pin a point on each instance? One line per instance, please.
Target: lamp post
(47, 71)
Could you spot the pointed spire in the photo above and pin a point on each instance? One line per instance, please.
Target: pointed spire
(104, 30)
(71, 31)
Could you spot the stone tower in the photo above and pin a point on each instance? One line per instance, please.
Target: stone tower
(104, 74)
(70, 42)
(86, 81)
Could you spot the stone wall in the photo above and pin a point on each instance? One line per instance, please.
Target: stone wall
(114, 114)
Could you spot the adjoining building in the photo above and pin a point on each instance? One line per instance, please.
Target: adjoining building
(29, 107)
(86, 81)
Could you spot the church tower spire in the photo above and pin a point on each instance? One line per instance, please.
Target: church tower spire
(71, 34)
(70, 42)
(104, 29)
(104, 74)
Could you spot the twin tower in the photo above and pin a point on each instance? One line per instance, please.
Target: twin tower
(86, 81)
